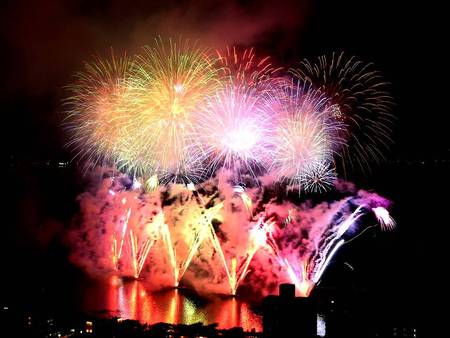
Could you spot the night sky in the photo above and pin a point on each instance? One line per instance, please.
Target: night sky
(45, 42)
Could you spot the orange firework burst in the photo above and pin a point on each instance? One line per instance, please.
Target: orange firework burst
(97, 112)
(169, 83)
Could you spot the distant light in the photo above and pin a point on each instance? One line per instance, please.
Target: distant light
(321, 326)
(5, 308)
(88, 326)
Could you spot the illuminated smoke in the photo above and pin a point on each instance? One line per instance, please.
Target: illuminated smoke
(212, 239)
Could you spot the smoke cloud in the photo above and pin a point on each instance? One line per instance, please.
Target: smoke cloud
(50, 39)
(301, 231)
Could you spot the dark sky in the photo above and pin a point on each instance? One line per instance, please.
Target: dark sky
(45, 42)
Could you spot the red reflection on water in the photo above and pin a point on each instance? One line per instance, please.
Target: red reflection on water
(112, 296)
(233, 312)
(131, 300)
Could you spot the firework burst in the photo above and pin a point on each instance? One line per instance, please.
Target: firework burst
(304, 136)
(177, 115)
(234, 131)
(318, 177)
(169, 83)
(96, 111)
(358, 98)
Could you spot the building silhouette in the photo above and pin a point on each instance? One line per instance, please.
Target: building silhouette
(287, 314)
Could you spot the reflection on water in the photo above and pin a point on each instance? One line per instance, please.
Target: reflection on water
(131, 300)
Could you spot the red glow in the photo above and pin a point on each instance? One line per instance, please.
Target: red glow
(131, 300)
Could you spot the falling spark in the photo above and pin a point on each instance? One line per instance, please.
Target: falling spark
(384, 219)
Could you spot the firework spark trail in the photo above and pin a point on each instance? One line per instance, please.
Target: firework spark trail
(204, 228)
(317, 274)
(133, 242)
(384, 219)
(323, 256)
(302, 261)
(299, 280)
(246, 199)
(114, 252)
(311, 271)
(244, 270)
(271, 243)
(212, 233)
(258, 238)
(247, 203)
(143, 253)
(232, 276)
(193, 247)
(124, 230)
(152, 231)
(218, 247)
(171, 250)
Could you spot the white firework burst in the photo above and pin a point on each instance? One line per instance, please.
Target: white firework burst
(318, 178)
